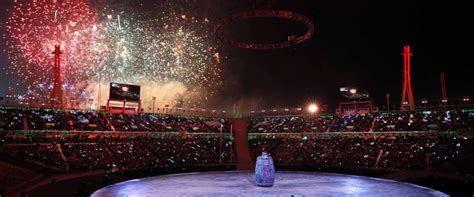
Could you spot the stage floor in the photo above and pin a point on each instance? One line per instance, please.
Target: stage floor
(242, 183)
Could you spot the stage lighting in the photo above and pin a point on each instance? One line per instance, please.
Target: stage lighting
(313, 108)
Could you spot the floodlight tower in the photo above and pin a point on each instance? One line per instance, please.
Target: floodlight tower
(444, 96)
(408, 102)
(313, 108)
(57, 91)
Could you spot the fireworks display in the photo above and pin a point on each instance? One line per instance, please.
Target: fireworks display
(167, 50)
(33, 30)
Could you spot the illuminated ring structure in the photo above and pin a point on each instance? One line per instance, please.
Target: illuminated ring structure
(265, 14)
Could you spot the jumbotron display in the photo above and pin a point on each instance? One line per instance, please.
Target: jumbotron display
(124, 92)
(352, 93)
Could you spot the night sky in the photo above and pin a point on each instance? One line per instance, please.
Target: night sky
(356, 43)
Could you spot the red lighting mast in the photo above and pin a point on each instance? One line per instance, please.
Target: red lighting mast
(444, 98)
(57, 91)
(408, 102)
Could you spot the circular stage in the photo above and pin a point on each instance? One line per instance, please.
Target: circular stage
(242, 183)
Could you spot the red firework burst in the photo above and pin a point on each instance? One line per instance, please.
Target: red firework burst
(34, 28)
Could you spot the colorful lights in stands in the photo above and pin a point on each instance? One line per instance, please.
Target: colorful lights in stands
(279, 110)
(424, 101)
(466, 98)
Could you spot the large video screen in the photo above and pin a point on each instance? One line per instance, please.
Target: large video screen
(354, 94)
(124, 92)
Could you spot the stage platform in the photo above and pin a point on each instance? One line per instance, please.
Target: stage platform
(242, 183)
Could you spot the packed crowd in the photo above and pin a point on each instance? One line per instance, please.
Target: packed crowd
(173, 141)
(43, 153)
(389, 153)
(145, 151)
(384, 121)
(122, 122)
(353, 123)
(65, 120)
(11, 119)
(125, 151)
(283, 124)
(113, 152)
(71, 120)
(424, 121)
